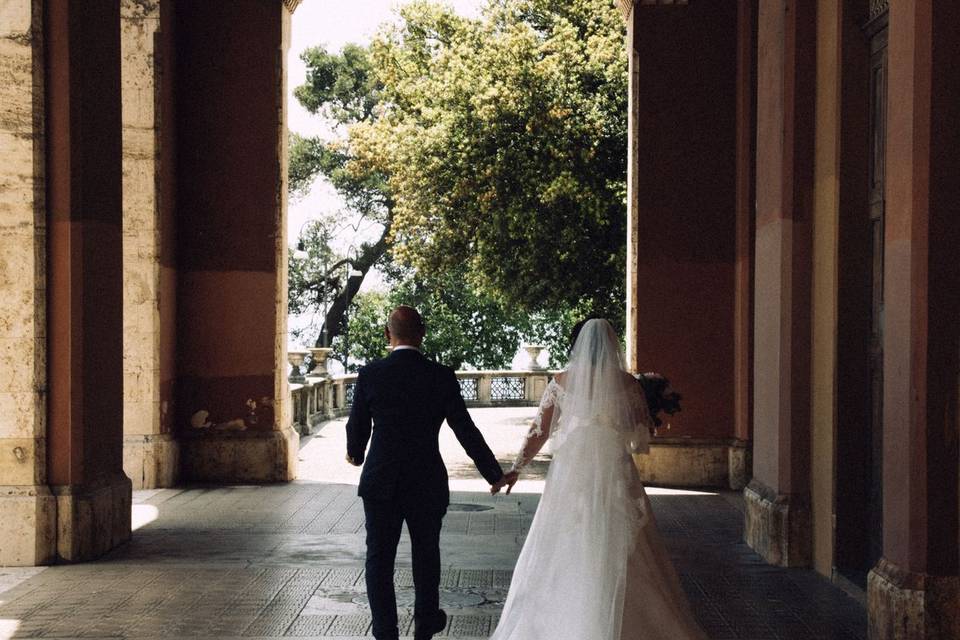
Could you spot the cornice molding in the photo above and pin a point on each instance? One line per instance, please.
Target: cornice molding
(626, 6)
(292, 5)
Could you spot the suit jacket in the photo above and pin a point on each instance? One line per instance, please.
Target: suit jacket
(399, 405)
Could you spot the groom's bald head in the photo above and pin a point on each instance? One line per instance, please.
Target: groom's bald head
(405, 326)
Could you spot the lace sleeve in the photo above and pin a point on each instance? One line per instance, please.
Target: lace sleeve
(536, 438)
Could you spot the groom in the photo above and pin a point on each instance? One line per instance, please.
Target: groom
(407, 397)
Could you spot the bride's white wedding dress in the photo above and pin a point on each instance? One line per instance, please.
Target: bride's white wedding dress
(594, 566)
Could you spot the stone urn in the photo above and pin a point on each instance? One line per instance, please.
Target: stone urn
(296, 358)
(319, 357)
(533, 357)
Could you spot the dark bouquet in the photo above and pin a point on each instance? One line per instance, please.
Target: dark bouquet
(661, 398)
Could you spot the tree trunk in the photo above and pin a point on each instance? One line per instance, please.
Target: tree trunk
(369, 254)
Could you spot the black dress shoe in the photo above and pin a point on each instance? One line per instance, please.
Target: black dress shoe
(425, 630)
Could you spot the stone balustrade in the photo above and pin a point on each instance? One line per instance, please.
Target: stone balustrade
(322, 397)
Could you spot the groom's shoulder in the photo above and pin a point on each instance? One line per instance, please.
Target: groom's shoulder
(372, 367)
(436, 370)
(440, 368)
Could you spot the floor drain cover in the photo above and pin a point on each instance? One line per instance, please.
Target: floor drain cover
(458, 506)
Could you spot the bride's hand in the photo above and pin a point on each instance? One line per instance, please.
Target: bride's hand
(508, 480)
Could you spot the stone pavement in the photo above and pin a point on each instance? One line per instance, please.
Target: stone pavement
(287, 561)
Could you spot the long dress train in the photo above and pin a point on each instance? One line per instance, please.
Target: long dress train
(594, 566)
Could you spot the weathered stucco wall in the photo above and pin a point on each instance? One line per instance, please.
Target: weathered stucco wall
(682, 207)
(231, 253)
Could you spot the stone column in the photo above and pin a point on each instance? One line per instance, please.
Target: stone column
(778, 498)
(232, 399)
(683, 227)
(27, 508)
(914, 591)
(150, 453)
(824, 284)
(85, 286)
(740, 454)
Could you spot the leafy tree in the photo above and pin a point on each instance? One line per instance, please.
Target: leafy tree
(504, 145)
(491, 153)
(368, 315)
(342, 88)
(465, 327)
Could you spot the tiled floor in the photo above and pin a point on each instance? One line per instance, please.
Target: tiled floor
(286, 561)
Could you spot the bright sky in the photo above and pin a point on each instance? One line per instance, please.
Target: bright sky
(333, 23)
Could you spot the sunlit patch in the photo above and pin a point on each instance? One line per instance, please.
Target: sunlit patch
(666, 491)
(144, 514)
(8, 628)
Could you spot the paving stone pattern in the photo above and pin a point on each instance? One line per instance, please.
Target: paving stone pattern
(287, 561)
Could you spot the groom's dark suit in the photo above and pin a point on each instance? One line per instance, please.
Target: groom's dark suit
(406, 397)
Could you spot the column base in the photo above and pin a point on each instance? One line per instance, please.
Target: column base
(740, 462)
(92, 519)
(151, 461)
(911, 606)
(28, 526)
(689, 462)
(231, 457)
(777, 526)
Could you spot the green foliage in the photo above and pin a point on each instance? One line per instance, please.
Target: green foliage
(493, 152)
(504, 145)
(311, 283)
(342, 87)
(465, 327)
(368, 316)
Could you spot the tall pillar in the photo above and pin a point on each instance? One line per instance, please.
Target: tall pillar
(85, 286)
(150, 452)
(741, 456)
(682, 243)
(232, 402)
(27, 508)
(914, 591)
(824, 296)
(778, 497)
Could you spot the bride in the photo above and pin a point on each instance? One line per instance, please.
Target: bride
(593, 566)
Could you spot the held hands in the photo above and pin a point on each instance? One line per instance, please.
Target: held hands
(508, 480)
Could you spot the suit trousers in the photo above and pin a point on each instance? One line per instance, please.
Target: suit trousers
(384, 523)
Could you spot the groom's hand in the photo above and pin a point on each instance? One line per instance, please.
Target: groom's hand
(508, 480)
(352, 461)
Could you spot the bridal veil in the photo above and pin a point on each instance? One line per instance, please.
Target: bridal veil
(571, 576)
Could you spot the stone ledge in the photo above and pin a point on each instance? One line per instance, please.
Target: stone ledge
(151, 461)
(695, 462)
(230, 457)
(911, 606)
(777, 526)
(92, 519)
(28, 526)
